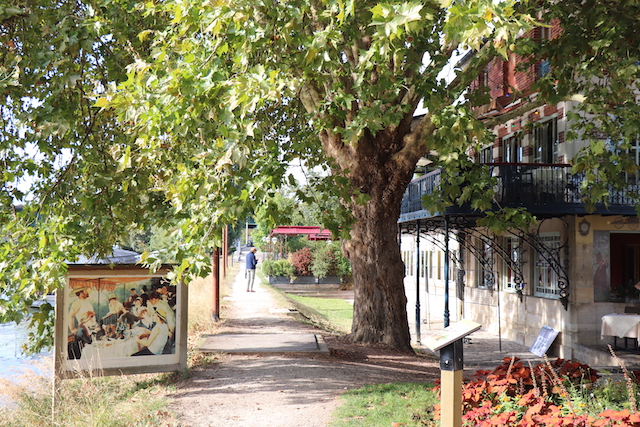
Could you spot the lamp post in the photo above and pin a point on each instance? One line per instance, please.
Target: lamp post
(446, 271)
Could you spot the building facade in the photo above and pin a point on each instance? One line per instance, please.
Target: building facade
(566, 271)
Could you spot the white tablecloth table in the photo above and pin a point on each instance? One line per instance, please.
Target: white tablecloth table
(620, 325)
(110, 349)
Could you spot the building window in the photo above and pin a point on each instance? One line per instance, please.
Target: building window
(486, 155)
(430, 262)
(409, 263)
(512, 149)
(545, 33)
(546, 279)
(483, 79)
(484, 277)
(543, 68)
(634, 152)
(423, 263)
(545, 142)
(453, 266)
(404, 261)
(513, 247)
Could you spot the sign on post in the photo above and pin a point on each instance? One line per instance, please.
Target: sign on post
(449, 342)
(544, 340)
(451, 333)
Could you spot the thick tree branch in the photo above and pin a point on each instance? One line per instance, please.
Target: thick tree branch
(310, 98)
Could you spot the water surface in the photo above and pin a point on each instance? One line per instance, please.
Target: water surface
(12, 362)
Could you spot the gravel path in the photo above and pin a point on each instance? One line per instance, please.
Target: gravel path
(285, 390)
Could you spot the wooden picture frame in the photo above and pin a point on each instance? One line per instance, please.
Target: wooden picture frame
(120, 320)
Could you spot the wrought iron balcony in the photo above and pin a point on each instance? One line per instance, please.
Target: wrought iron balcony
(543, 189)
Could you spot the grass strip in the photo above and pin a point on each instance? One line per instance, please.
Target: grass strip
(336, 312)
(384, 405)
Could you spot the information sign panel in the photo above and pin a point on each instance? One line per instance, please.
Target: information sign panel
(451, 334)
(543, 341)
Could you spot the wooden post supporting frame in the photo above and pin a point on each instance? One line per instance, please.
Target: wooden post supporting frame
(451, 367)
(215, 275)
(59, 332)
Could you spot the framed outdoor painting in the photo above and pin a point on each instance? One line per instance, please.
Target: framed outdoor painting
(120, 320)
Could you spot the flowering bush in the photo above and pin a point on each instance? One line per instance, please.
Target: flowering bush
(560, 393)
(301, 261)
(324, 259)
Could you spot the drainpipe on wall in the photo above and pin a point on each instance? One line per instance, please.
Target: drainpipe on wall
(446, 271)
(418, 281)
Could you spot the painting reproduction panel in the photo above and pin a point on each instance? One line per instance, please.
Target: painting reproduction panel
(119, 322)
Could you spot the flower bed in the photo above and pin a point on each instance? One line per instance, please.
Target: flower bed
(560, 393)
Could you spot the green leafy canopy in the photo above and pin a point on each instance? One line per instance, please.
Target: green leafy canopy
(185, 114)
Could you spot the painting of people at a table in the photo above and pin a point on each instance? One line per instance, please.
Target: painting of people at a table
(117, 317)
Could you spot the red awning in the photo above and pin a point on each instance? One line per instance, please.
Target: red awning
(312, 233)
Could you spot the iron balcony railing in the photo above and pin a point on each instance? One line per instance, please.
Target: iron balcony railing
(541, 188)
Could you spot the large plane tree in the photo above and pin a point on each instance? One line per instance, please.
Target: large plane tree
(224, 75)
(185, 114)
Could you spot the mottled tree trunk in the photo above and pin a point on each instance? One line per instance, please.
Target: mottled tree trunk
(379, 167)
(380, 308)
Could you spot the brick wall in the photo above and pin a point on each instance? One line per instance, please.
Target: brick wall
(503, 79)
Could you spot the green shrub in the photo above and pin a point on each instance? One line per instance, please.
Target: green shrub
(328, 260)
(324, 259)
(281, 267)
(322, 266)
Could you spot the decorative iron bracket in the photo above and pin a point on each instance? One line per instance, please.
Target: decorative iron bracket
(517, 266)
(556, 258)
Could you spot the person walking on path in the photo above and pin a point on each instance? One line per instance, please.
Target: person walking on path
(250, 264)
